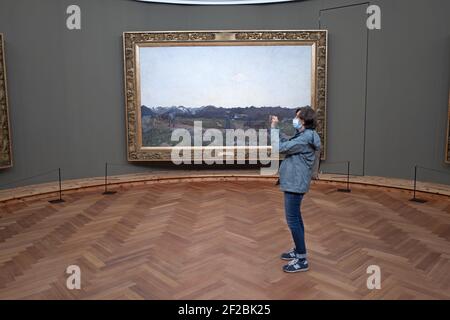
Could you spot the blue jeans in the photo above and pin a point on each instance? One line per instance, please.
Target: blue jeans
(292, 203)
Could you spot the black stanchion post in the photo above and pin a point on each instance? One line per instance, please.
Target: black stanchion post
(414, 199)
(106, 181)
(348, 179)
(60, 189)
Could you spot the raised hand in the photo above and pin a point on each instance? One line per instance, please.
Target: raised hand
(274, 121)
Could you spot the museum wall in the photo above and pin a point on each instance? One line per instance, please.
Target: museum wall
(388, 89)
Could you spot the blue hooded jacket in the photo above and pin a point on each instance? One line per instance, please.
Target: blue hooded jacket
(296, 168)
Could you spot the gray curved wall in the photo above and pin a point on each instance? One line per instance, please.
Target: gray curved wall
(388, 89)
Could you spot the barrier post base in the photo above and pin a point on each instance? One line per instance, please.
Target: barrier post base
(109, 192)
(57, 201)
(344, 190)
(418, 200)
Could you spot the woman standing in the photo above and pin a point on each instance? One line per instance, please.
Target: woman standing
(295, 178)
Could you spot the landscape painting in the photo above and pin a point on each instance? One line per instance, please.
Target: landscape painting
(224, 87)
(223, 80)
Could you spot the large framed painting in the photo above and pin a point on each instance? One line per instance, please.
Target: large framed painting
(447, 147)
(5, 136)
(222, 79)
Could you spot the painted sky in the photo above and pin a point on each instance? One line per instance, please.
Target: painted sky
(226, 76)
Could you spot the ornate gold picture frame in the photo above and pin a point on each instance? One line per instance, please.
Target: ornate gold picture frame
(6, 160)
(148, 54)
(447, 148)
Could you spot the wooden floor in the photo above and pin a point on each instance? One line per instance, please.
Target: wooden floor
(44, 190)
(222, 240)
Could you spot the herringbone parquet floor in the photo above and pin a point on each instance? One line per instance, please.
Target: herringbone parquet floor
(222, 240)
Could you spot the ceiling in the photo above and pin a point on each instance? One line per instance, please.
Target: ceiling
(217, 2)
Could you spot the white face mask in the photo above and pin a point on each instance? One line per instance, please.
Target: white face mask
(296, 123)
